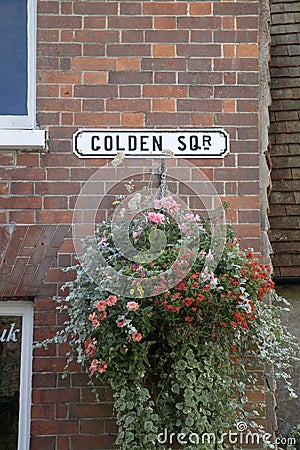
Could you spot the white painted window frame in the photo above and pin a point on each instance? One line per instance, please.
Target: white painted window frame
(24, 309)
(20, 131)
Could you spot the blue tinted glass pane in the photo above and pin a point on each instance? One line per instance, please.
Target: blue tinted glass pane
(13, 57)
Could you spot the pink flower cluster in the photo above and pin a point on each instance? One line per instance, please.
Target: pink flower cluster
(90, 346)
(192, 217)
(136, 336)
(98, 366)
(132, 306)
(167, 203)
(155, 217)
(101, 306)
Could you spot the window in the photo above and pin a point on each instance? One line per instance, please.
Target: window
(17, 74)
(16, 325)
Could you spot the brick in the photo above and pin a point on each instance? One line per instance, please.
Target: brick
(201, 91)
(96, 8)
(165, 119)
(62, 395)
(20, 202)
(229, 105)
(57, 188)
(131, 8)
(95, 78)
(42, 412)
(130, 91)
(54, 49)
(93, 50)
(18, 188)
(247, 50)
(228, 23)
(164, 50)
(236, 64)
(130, 77)
(167, 36)
(21, 174)
(211, 50)
(166, 8)
(139, 105)
(249, 119)
(55, 203)
(96, 91)
(132, 119)
(201, 36)
(24, 217)
(3, 188)
(199, 105)
(165, 77)
(235, 9)
(53, 216)
(91, 22)
(94, 64)
(97, 119)
(58, 104)
(94, 427)
(200, 77)
(200, 8)
(96, 36)
(132, 36)
(167, 105)
(129, 64)
(92, 105)
(7, 159)
(164, 23)
(200, 23)
(129, 50)
(92, 442)
(170, 64)
(53, 427)
(136, 22)
(236, 92)
(59, 22)
(202, 119)
(165, 91)
(45, 443)
(90, 411)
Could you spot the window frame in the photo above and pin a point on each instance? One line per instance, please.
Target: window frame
(25, 310)
(27, 121)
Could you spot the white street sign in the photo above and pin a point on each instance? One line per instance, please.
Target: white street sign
(188, 143)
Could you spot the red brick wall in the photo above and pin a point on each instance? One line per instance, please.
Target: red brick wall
(125, 64)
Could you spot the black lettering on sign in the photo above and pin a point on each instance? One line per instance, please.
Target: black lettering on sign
(132, 142)
(157, 142)
(206, 142)
(108, 143)
(118, 144)
(95, 147)
(183, 144)
(194, 143)
(144, 143)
